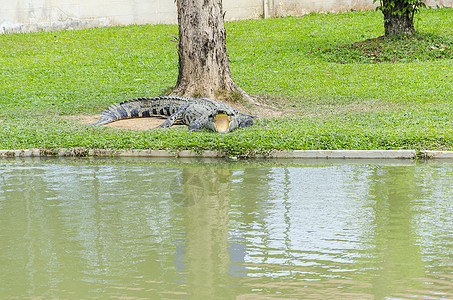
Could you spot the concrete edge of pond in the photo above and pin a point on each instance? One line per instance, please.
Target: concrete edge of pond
(436, 154)
(279, 154)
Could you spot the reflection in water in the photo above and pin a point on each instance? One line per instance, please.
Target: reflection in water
(206, 225)
(394, 191)
(311, 233)
(225, 231)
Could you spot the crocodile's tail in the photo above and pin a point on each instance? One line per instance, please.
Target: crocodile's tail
(135, 108)
(124, 110)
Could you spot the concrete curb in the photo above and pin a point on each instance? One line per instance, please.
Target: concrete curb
(437, 154)
(282, 154)
(285, 154)
(108, 153)
(346, 154)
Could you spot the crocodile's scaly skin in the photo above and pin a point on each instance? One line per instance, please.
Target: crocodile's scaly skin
(197, 113)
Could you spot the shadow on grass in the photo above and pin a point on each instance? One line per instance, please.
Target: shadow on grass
(417, 47)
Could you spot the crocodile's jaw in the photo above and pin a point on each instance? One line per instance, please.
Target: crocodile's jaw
(222, 122)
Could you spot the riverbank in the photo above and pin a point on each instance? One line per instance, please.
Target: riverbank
(326, 96)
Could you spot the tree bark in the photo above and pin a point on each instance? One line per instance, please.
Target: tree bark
(203, 60)
(401, 23)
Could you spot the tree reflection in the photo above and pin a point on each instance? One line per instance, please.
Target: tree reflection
(207, 198)
(394, 191)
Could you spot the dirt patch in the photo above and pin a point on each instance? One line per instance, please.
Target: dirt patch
(134, 124)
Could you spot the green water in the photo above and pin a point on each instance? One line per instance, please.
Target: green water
(143, 229)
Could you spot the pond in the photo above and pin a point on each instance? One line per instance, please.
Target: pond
(196, 229)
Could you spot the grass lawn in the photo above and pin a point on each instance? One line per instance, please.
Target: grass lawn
(339, 86)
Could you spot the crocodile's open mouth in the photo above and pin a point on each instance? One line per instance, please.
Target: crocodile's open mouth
(222, 122)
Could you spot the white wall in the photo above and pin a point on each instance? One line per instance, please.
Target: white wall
(37, 15)
(298, 7)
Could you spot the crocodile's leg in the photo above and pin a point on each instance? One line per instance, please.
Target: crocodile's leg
(172, 119)
(245, 120)
(198, 124)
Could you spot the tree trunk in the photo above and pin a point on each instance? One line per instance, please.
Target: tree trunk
(203, 60)
(400, 23)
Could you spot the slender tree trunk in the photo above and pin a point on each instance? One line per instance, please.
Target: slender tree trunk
(203, 60)
(401, 23)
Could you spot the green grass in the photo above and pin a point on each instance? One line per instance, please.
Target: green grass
(332, 99)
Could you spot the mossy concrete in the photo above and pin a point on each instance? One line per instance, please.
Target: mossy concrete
(285, 154)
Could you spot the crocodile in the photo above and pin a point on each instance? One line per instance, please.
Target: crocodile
(197, 113)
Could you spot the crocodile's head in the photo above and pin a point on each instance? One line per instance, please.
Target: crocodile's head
(223, 121)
